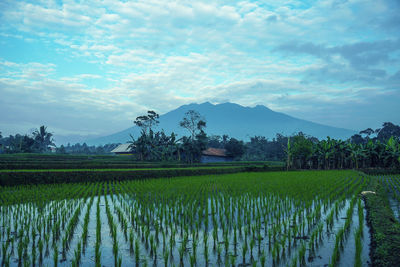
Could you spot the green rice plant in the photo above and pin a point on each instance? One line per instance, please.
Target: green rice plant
(226, 243)
(115, 251)
(294, 262)
(40, 247)
(360, 216)
(151, 245)
(263, 258)
(6, 261)
(357, 237)
(97, 255)
(98, 235)
(338, 245)
(119, 262)
(192, 260)
(131, 240)
(4, 248)
(166, 256)
(20, 251)
(252, 243)
(33, 255)
(206, 252)
(194, 246)
(55, 255)
(302, 254)
(244, 252)
(137, 252)
(232, 259)
(219, 251)
(181, 251)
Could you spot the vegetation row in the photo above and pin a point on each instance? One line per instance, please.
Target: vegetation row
(18, 177)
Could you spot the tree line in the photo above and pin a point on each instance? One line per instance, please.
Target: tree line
(369, 148)
(42, 141)
(38, 141)
(378, 148)
(362, 150)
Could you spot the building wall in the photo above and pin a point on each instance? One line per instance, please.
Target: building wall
(208, 159)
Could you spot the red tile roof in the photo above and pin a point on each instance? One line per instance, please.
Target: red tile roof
(217, 152)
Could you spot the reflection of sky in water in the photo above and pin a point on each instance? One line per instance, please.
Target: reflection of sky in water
(322, 255)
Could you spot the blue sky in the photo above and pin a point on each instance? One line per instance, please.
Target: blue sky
(90, 67)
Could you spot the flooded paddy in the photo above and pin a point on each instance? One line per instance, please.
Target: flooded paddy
(250, 219)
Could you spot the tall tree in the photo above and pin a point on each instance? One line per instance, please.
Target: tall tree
(301, 150)
(193, 122)
(197, 142)
(43, 139)
(388, 130)
(235, 148)
(147, 122)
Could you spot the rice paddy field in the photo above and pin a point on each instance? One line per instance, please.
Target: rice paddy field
(392, 186)
(305, 218)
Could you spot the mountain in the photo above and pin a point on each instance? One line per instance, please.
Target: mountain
(236, 121)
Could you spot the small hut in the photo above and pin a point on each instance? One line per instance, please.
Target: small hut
(122, 149)
(214, 155)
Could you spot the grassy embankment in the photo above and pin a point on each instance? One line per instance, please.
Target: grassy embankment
(385, 229)
(40, 169)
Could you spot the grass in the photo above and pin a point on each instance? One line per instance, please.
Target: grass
(385, 229)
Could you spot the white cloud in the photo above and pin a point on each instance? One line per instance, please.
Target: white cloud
(160, 54)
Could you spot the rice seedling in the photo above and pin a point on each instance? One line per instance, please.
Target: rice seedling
(357, 237)
(137, 252)
(166, 257)
(244, 252)
(263, 258)
(55, 255)
(231, 213)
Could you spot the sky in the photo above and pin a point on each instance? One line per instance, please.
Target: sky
(87, 68)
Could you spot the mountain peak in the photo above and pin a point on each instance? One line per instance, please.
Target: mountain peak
(235, 120)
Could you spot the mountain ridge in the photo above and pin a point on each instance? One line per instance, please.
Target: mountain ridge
(234, 120)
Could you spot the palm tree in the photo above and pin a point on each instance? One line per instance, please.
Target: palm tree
(357, 154)
(289, 153)
(42, 138)
(393, 152)
(325, 152)
(343, 153)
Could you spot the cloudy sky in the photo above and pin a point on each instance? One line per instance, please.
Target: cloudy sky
(90, 68)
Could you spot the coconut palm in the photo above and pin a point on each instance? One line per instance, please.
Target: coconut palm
(43, 139)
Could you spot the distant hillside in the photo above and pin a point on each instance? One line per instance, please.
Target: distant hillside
(236, 121)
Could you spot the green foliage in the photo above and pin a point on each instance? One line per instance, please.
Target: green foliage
(146, 122)
(235, 148)
(43, 139)
(304, 153)
(385, 229)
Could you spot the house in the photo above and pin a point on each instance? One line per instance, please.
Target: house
(214, 155)
(52, 149)
(122, 149)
